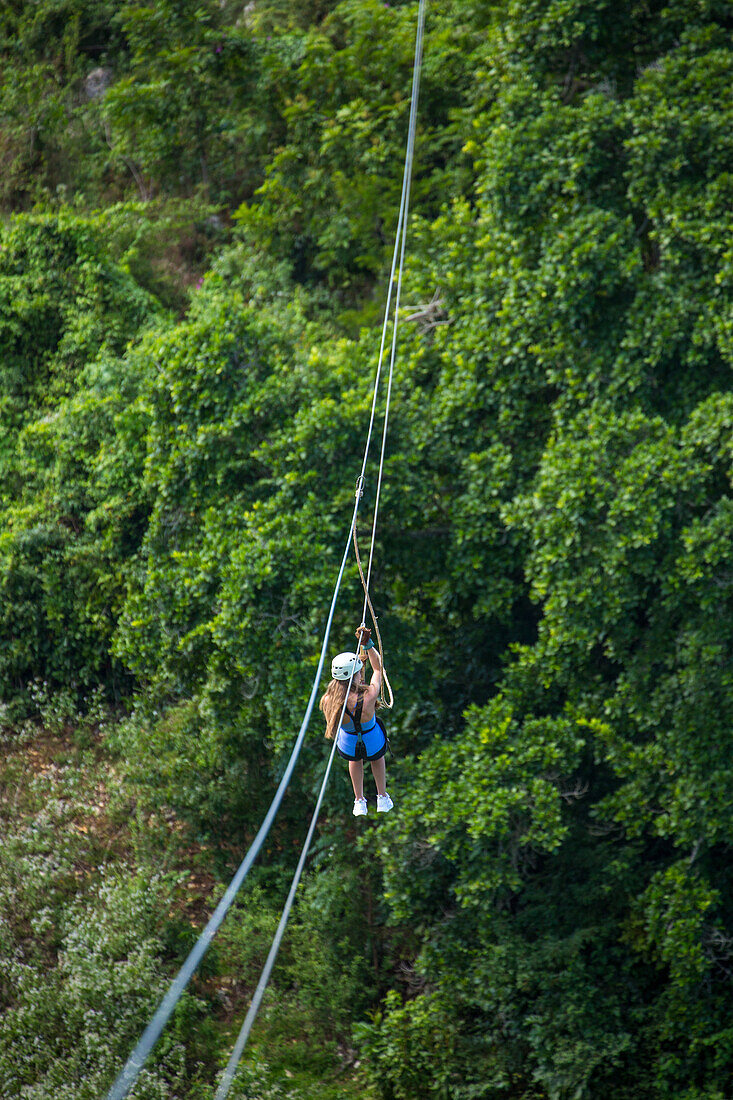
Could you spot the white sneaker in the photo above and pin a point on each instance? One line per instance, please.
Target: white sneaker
(360, 807)
(384, 803)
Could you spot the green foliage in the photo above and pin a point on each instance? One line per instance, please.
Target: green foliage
(415, 1052)
(331, 195)
(91, 1005)
(177, 117)
(617, 510)
(47, 52)
(67, 311)
(322, 981)
(552, 563)
(164, 246)
(61, 302)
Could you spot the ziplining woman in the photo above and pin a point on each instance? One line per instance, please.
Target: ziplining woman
(361, 736)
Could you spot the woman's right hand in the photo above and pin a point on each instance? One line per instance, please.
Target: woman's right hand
(363, 633)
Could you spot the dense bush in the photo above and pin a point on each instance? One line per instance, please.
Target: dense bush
(67, 312)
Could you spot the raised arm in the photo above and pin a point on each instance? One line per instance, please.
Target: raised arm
(364, 635)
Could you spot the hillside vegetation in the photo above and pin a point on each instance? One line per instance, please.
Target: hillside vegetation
(198, 207)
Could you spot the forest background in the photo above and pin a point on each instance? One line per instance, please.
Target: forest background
(198, 207)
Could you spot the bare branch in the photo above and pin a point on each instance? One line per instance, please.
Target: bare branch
(429, 314)
(580, 790)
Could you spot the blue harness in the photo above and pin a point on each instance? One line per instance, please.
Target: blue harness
(363, 742)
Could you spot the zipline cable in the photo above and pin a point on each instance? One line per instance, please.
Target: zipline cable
(131, 1070)
(234, 1059)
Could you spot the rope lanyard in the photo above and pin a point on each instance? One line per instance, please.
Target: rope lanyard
(386, 702)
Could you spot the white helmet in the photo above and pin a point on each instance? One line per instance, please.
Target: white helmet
(345, 666)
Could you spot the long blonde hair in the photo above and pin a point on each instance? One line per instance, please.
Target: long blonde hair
(332, 703)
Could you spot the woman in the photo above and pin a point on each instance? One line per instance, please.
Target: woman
(360, 736)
